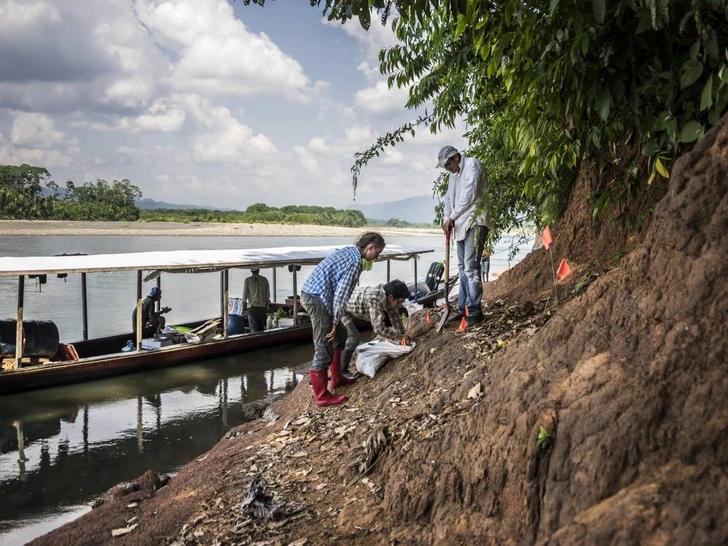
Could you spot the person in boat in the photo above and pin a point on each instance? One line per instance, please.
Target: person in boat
(467, 216)
(256, 299)
(377, 304)
(152, 321)
(324, 296)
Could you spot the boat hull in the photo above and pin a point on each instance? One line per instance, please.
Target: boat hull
(88, 368)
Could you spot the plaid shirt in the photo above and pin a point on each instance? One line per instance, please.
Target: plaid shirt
(334, 279)
(370, 303)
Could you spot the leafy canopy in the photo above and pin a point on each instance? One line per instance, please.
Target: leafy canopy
(545, 85)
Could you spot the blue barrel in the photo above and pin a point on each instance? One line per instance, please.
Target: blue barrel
(41, 337)
(236, 324)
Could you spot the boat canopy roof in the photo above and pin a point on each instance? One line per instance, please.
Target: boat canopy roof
(187, 261)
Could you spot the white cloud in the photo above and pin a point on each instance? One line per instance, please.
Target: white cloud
(18, 17)
(217, 54)
(32, 130)
(306, 158)
(223, 138)
(382, 100)
(10, 154)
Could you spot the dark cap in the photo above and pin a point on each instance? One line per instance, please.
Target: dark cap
(446, 152)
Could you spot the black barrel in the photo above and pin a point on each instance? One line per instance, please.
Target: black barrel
(40, 337)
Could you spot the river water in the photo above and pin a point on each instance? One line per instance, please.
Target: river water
(62, 447)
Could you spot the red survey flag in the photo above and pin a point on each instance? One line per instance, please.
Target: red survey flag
(564, 269)
(546, 238)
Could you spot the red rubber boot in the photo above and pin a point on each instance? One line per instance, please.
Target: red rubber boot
(337, 378)
(323, 396)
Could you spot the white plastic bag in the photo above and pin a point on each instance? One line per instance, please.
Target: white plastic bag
(373, 355)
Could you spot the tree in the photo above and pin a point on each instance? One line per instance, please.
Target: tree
(544, 86)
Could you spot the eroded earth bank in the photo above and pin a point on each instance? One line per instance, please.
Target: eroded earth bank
(626, 374)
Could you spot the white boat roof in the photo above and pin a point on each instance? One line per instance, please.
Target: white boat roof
(188, 261)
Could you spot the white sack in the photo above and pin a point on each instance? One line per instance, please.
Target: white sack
(373, 355)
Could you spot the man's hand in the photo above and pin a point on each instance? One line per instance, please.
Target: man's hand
(448, 225)
(331, 335)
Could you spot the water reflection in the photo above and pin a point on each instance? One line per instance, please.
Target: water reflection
(60, 448)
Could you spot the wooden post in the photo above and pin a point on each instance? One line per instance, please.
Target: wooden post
(19, 324)
(158, 304)
(295, 296)
(84, 306)
(224, 278)
(273, 297)
(139, 312)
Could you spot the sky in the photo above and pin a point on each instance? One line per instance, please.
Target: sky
(206, 102)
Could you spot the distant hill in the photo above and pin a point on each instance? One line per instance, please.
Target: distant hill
(416, 210)
(152, 204)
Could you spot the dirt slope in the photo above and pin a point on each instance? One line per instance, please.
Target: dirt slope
(629, 378)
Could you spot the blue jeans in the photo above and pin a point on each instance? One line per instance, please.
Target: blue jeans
(470, 252)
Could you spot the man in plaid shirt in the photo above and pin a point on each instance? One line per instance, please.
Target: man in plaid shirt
(375, 304)
(324, 296)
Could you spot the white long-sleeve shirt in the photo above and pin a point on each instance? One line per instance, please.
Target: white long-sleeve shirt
(465, 190)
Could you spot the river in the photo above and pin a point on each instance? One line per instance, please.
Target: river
(60, 448)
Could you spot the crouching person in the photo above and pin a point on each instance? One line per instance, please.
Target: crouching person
(324, 295)
(375, 304)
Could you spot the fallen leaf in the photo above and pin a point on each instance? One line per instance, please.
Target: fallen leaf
(121, 531)
(476, 391)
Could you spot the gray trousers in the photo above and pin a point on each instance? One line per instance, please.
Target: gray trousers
(321, 324)
(256, 319)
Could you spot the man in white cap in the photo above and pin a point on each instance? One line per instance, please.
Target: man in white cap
(467, 215)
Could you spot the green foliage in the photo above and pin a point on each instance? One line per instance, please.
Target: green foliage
(544, 438)
(21, 190)
(260, 213)
(22, 196)
(544, 86)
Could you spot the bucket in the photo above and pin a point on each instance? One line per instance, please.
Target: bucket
(236, 324)
(41, 337)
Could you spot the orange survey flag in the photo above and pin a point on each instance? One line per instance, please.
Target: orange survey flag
(463, 325)
(546, 238)
(564, 269)
(427, 317)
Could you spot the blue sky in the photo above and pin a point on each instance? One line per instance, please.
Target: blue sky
(205, 101)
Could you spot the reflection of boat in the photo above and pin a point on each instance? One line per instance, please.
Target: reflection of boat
(96, 358)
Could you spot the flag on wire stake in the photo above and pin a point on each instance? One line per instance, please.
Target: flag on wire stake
(463, 325)
(546, 238)
(427, 317)
(564, 269)
(547, 241)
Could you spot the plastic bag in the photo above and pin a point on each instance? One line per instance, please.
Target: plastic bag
(373, 355)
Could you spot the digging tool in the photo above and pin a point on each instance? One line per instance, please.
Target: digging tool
(446, 311)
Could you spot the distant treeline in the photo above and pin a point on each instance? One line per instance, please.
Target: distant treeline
(261, 214)
(28, 193)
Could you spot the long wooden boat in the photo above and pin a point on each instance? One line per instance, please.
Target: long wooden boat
(90, 359)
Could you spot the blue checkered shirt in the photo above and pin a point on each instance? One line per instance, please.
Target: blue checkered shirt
(334, 279)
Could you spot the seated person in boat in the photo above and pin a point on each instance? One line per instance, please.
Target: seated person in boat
(256, 299)
(324, 296)
(152, 321)
(375, 304)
